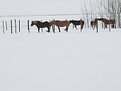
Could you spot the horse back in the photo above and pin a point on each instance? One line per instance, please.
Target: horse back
(77, 22)
(44, 24)
(62, 23)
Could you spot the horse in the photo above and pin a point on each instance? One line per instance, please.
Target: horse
(58, 23)
(77, 22)
(41, 25)
(93, 23)
(106, 22)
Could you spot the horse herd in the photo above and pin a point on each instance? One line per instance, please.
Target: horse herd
(66, 23)
(105, 22)
(58, 24)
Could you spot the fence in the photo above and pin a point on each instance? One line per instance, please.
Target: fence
(15, 23)
(13, 26)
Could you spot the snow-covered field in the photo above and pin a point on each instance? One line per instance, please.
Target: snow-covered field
(73, 61)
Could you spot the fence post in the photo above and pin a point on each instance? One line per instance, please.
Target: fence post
(11, 26)
(28, 26)
(3, 27)
(109, 28)
(6, 25)
(87, 16)
(41, 28)
(15, 27)
(97, 26)
(19, 26)
(102, 25)
(81, 25)
(80, 28)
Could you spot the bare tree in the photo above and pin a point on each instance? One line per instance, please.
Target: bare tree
(112, 9)
(86, 14)
(119, 13)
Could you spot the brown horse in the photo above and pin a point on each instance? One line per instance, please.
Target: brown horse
(93, 23)
(106, 22)
(58, 23)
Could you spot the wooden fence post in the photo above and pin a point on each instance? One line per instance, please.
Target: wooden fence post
(3, 27)
(19, 26)
(97, 27)
(11, 27)
(109, 27)
(28, 26)
(15, 27)
(6, 25)
(41, 28)
(81, 22)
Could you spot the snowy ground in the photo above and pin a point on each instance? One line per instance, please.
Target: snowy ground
(72, 61)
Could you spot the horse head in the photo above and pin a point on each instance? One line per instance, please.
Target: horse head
(71, 21)
(34, 23)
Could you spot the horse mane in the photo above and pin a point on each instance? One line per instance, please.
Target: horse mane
(35, 21)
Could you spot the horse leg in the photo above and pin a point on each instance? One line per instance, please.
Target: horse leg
(102, 25)
(115, 25)
(76, 27)
(41, 29)
(112, 26)
(59, 29)
(73, 26)
(48, 29)
(93, 27)
(105, 26)
(66, 29)
(82, 26)
(38, 30)
(53, 27)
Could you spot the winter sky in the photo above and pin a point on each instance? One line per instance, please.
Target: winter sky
(41, 6)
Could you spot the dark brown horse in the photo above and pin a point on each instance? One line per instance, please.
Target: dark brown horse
(58, 23)
(106, 22)
(93, 23)
(39, 25)
(77, 22)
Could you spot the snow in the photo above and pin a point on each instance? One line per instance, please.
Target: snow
(65, 61)
(81, 61)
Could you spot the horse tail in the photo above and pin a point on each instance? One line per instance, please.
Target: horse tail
(91, 23)
(82, 26)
